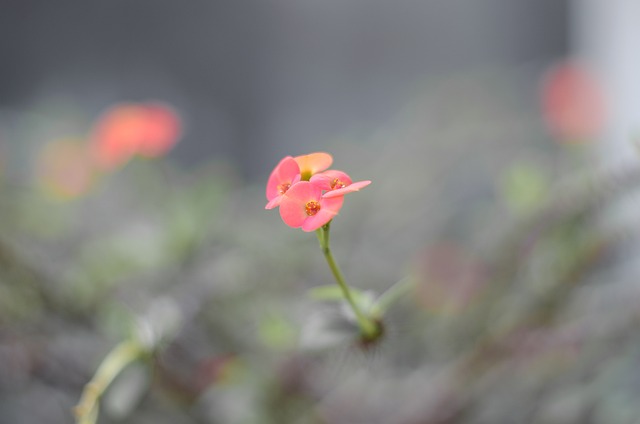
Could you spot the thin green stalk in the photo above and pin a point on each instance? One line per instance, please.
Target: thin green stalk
(122, 355)
(368, 328)
(392, 294)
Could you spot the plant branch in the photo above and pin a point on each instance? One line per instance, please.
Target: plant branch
(368, 327)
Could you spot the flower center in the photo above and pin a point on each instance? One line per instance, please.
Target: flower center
(312, 208)
(282, 188)
(336, 184)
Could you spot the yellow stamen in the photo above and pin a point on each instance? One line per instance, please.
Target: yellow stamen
(336, 184)
(282, 188)
(312, 208)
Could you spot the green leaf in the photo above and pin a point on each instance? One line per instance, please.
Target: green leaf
(524, 188)
(277, 332)
(333, 292)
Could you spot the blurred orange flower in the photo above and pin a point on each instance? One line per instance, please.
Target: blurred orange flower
(128, 129)
(162, 130)
(573, 103)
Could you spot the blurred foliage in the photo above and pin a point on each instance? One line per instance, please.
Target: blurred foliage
(524, 188)
(514, 302)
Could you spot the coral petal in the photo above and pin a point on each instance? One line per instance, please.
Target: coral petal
(314, 222)
(333, 204)
(285, 172)
(348, 189)
(303, 192)
(273, 203)
(292, 212)
(329, 209)
(314, 162)
(324, 179)
(292, 206)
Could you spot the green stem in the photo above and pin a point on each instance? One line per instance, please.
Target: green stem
(122, 355)
(392, 294)
(368, 328)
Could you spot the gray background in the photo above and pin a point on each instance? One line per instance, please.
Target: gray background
(257, 79)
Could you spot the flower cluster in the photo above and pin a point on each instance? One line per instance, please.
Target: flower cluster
(308, 197)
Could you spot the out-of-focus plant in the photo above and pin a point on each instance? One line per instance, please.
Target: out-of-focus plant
(507, 313)
(65, 169)
(68, 169)
(573, 103)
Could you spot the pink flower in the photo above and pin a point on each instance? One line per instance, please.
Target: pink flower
(308, 198)
(573, 102)
(304, 206)
(336, 183)
(313, 163)
(283, 176)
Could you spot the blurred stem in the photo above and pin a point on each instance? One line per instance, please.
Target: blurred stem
(125, 353)
(392, 294)
(368, 328)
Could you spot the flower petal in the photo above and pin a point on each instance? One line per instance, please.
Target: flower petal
(292, 206)
(321, 180)
(333, 205)
(348, 189)
(304, 191)
(284, 173)
(292, 212)
(328, 209)
(273, 203)
(312, 223)
(325, 180)
(313, 163)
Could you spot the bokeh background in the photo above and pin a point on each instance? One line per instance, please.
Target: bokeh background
(257, 80)
(499, 136)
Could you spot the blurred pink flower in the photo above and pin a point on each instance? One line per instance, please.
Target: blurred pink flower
(219, 369)
(116, 135)
(162, 130)
(449, 278)
(303, 206)
(573, 103)
(336, 183)
(129, 129)
(65, 169)
(283, 176)
(313, 163)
